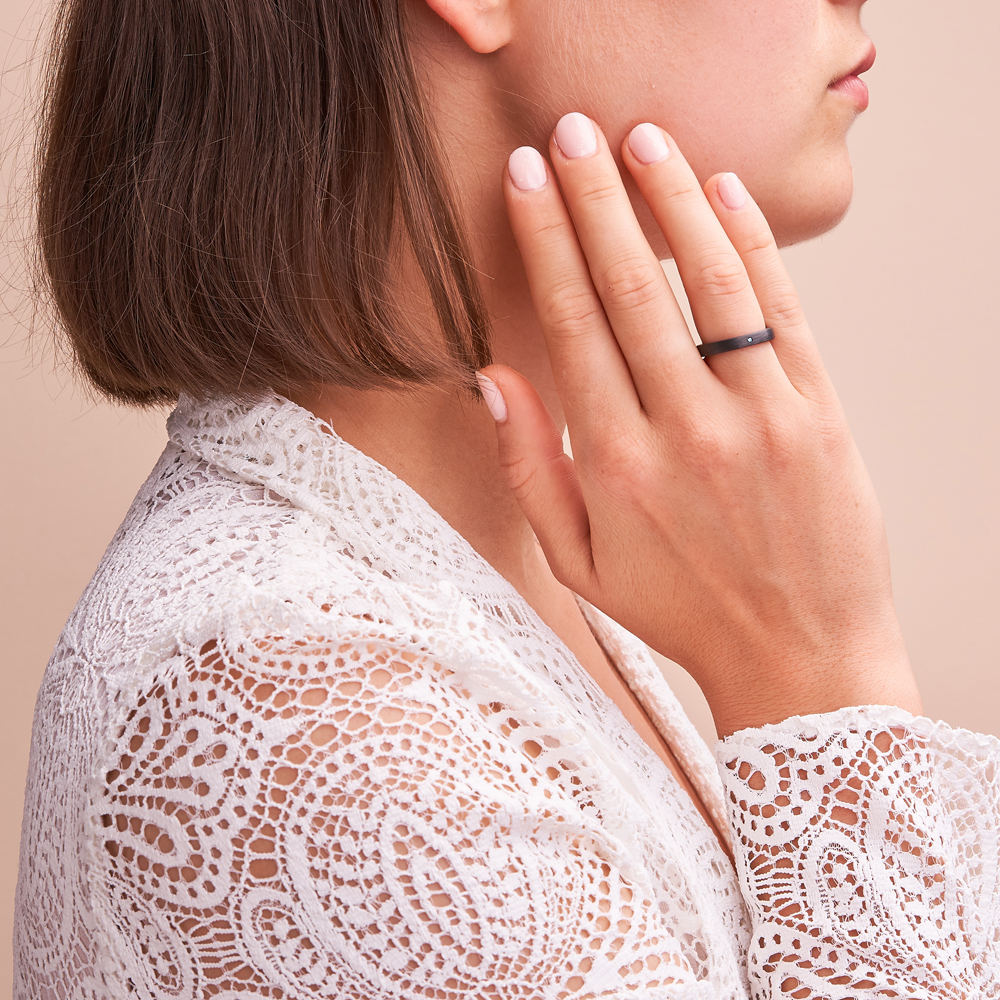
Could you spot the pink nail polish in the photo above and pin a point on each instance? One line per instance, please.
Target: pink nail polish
(732, 193)
(493, 397)
(576, 136)
(527, 169)
(647, 144)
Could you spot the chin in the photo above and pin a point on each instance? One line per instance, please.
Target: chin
(809, 204)
(805, 222)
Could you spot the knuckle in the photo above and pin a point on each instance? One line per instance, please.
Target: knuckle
(784, 310)
(619, 458)
(783, 440)
(834, 432)
(600, 191)
(797, 436)
(549, 233)
(722, 277)
(682, 190)
(708, 452)
(624, 474)
(634, 282)
(615, 459)
(759, 243)
(570, 312)
(521, 476)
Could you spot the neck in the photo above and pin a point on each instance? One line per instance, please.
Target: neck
(444, 447)
(443, 444)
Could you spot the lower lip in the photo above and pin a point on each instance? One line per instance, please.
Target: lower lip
(854, 88)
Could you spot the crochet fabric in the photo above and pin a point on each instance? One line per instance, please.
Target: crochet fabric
(298, 740)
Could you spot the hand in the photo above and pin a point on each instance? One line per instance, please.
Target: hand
(720, 511)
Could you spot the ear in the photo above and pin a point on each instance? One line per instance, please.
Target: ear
(484, 25)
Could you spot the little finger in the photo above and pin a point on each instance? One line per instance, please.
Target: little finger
(540, 474)
(751, 236)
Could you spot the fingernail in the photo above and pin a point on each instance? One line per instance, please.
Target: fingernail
(576, 136)
(732, 193)
(527, 169)
(494, 398)
(647, 144)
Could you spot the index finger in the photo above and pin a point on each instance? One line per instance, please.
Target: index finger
(590, 371)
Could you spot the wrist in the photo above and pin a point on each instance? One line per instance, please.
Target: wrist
(743, 701)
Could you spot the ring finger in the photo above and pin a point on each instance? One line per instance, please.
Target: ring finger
(722, 298)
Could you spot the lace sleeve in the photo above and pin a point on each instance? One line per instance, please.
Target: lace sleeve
(867, 850)
(301, 820)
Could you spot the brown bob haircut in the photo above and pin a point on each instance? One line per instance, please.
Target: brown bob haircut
(224, 188)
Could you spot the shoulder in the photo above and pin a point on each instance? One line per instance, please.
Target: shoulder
(203, 549)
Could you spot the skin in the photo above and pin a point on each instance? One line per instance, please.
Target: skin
(756, 561)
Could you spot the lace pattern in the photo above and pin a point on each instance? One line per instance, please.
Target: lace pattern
(869, 855)
(299, 740)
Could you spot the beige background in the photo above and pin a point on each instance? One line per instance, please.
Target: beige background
(901, 297)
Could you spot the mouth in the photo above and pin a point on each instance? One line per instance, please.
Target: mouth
(851, 86)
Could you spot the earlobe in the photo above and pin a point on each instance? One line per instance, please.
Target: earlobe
(484, 25)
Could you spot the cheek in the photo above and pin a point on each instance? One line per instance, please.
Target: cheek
(789, 149)
(777, 127)
(801, 198)
(740, 86)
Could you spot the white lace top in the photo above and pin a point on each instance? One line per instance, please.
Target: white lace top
(299, 741)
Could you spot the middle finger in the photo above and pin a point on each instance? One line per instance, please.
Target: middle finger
(644, 315)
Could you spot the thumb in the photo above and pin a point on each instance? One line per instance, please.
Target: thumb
(540, 474)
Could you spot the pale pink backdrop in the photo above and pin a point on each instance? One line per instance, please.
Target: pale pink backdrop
(901, 296)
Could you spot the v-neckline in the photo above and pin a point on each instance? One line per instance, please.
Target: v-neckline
(600, 626)
(268, 443)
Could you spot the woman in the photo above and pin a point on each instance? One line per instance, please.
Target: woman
(329, 721)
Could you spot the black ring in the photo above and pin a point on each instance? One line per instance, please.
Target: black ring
(735, 343)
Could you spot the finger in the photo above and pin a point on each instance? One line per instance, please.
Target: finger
(588, 366)
(722, 298)
(638, 301)
(540, 474)
(751, 236)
